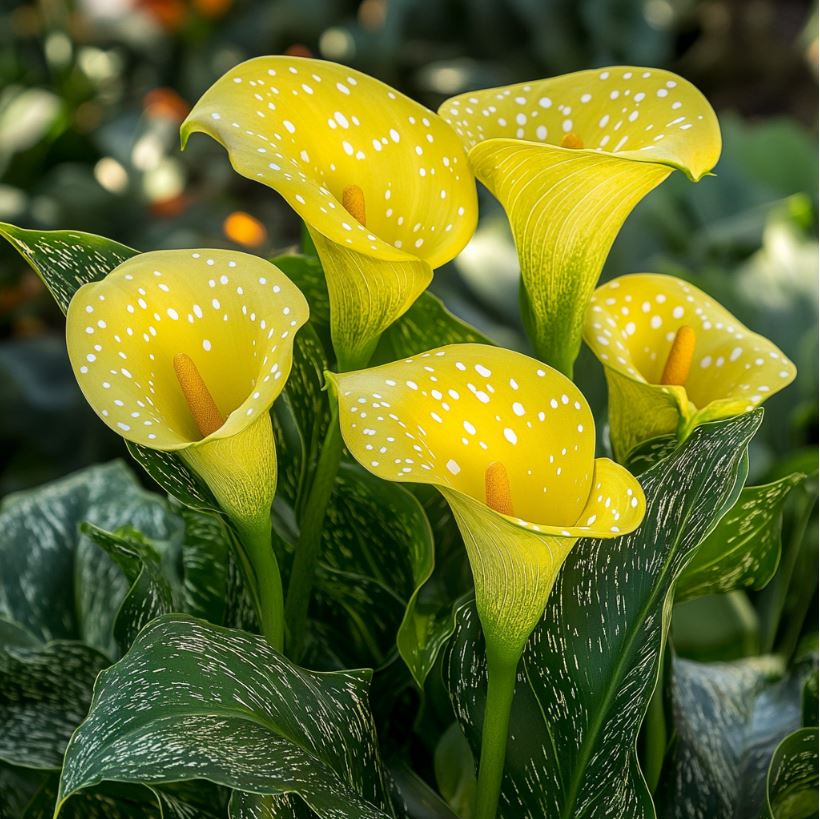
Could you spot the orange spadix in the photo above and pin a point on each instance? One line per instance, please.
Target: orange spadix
(497, 488)
(571, 140)
(353, 203)
(203, 408)
(679, 361)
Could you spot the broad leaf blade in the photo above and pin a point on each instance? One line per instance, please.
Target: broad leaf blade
(194, 701)
(45, 692)
(55, 583)
(377, 551)
(151, 593)
(590, 667)
(728, 718)
(744, 549)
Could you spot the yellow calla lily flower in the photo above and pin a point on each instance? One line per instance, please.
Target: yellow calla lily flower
(510, 444)
(674, 358)
(382, 183)
(185, 351)
(448, 416)
(569, 158)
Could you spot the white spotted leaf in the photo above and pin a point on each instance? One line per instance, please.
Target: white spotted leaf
(727, 720)
(154, 588)
(66, 259)
(195, 701)
(377, 552)
(744, 549)
(589, 669)
(56, 584)
(45, 692)
(792, 780)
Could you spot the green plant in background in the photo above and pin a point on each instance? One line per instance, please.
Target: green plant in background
(161, 699)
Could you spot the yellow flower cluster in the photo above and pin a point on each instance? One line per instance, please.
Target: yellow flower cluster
(186, 351)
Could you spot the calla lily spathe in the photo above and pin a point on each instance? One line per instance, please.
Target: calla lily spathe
(382, 183)
(569, 158)
(631, 326)
(447, 416)
(233, 317)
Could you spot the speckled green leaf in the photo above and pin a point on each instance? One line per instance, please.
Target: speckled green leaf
(66, 259)
(44, 695)
(300, 418)
(195, 701)
(205, 565)
(727, 719)
(258, 806)
(792, 781)
(589, 670)
(744, 549)
(112, 800)
(377, 551)
(427, 324)
(56, 584)
(152, 591)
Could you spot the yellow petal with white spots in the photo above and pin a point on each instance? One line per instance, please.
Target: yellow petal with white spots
(631, 327)
(450, 417)
(445, 416)
(313, 130)
(616, 503)
(568, 158)
(235, 316)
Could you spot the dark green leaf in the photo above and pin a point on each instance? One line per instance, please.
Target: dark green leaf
(301, 418)
(417, 800)
(792, 782)
(649, 452)
(205, 557)
(589, 669)
(455, 770)
(716, 627)
(193, 701)
(151, 593)
(377, 550)
(744, 549)
(44, 695)
(727, 719)
(56, 583)
(427, 324)
(259, 806)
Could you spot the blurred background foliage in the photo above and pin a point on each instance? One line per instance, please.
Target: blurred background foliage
(92, 93)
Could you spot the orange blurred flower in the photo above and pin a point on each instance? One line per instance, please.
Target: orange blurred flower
(244, 229)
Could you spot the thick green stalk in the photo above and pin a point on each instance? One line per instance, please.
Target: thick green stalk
(262, 573)
(501, 673)
(306, 557)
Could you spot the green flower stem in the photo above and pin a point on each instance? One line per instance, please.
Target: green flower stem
(310, 537)
(501, 674)
(265, 582)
